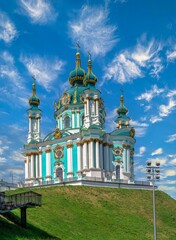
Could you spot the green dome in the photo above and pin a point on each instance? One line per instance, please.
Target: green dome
(90, 77)
(122, 110)
(78, 74)
(34, 100)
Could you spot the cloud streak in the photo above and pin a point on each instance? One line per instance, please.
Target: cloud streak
(39, 11)
(91, 28)
(7, 29)
(44, 70)
(134, 63)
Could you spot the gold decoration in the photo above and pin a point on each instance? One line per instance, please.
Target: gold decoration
(118, 151)
(69, 145)
(58, 152)
(75, 95)
(132, 132)
(81, 98)
(48, 150)
(65, 99)
(57, 133)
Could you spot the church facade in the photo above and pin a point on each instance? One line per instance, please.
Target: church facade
(79, 147)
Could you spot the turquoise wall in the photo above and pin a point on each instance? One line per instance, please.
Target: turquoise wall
(44, 165)
(74, 156)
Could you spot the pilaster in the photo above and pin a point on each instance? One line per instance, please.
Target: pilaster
(48, 162)
(69, 158)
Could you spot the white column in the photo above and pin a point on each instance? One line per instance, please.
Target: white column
(69, 158)
(111, 168)
(97, 107)
(128, 160)
(26, 167)
(61, 122)
(37, 165)
(84, 155)
(88, 108)
(40, 163)
(32, 166)
(78, 118)
(30, 124)
(29, 167)
(106, 156)
(58, 123)
(97, 154)
(124, 159)
(85, 108)
(48, 162)
(73, 119)
(79, 154)
(91, 155)
(101, 156)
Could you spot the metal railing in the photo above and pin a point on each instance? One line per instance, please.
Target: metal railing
(84, 178)
(19, 200)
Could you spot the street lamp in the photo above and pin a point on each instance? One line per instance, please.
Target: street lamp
(153, 174)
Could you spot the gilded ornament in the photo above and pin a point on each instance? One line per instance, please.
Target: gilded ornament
(75, 95)
(58, 152)
(57, 133)
(132, 132)
(118, 151)
(65, 99)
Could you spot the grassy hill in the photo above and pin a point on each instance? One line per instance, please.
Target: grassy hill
(90, 213)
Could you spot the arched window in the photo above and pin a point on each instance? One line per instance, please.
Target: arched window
(82, 118)
(59, 173)
(117, 172)
(67, 122)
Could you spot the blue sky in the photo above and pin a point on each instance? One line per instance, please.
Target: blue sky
(133, 46)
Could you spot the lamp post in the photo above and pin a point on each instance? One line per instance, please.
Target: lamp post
(153, 174)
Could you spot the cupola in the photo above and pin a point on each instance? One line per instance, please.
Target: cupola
(90, 76)
(78, 74)
(122, 110)
(34, 100)
(122, 120)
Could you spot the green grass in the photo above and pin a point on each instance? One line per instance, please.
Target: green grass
(90, 213)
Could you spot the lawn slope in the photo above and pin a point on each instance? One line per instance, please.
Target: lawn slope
(90, 213)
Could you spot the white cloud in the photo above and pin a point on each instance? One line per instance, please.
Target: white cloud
(170, 173)
(165, 110)
(92, 30)
(134, 63)
(157, 152)
(171, 54)
(110, 124)
(7, 29)
(173, 161)
(140, 128)
(9, 71)
(150, 94)
(122, 69)
(44, 70)
(140, 168)
(155, 119)
(39, 11)
(142, 150)
(171, 138)
(171, 93)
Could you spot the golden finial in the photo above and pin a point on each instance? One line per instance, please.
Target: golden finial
(75, 94)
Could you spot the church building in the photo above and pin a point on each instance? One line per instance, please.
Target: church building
(79, 147)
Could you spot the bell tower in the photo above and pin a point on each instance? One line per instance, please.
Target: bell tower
(34, 116)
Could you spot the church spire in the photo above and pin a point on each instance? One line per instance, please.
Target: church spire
(122, 120)
(34, 100)
(34, 116)
(78, 74)
(90, 76)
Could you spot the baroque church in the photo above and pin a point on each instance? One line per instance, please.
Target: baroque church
(79, 147)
